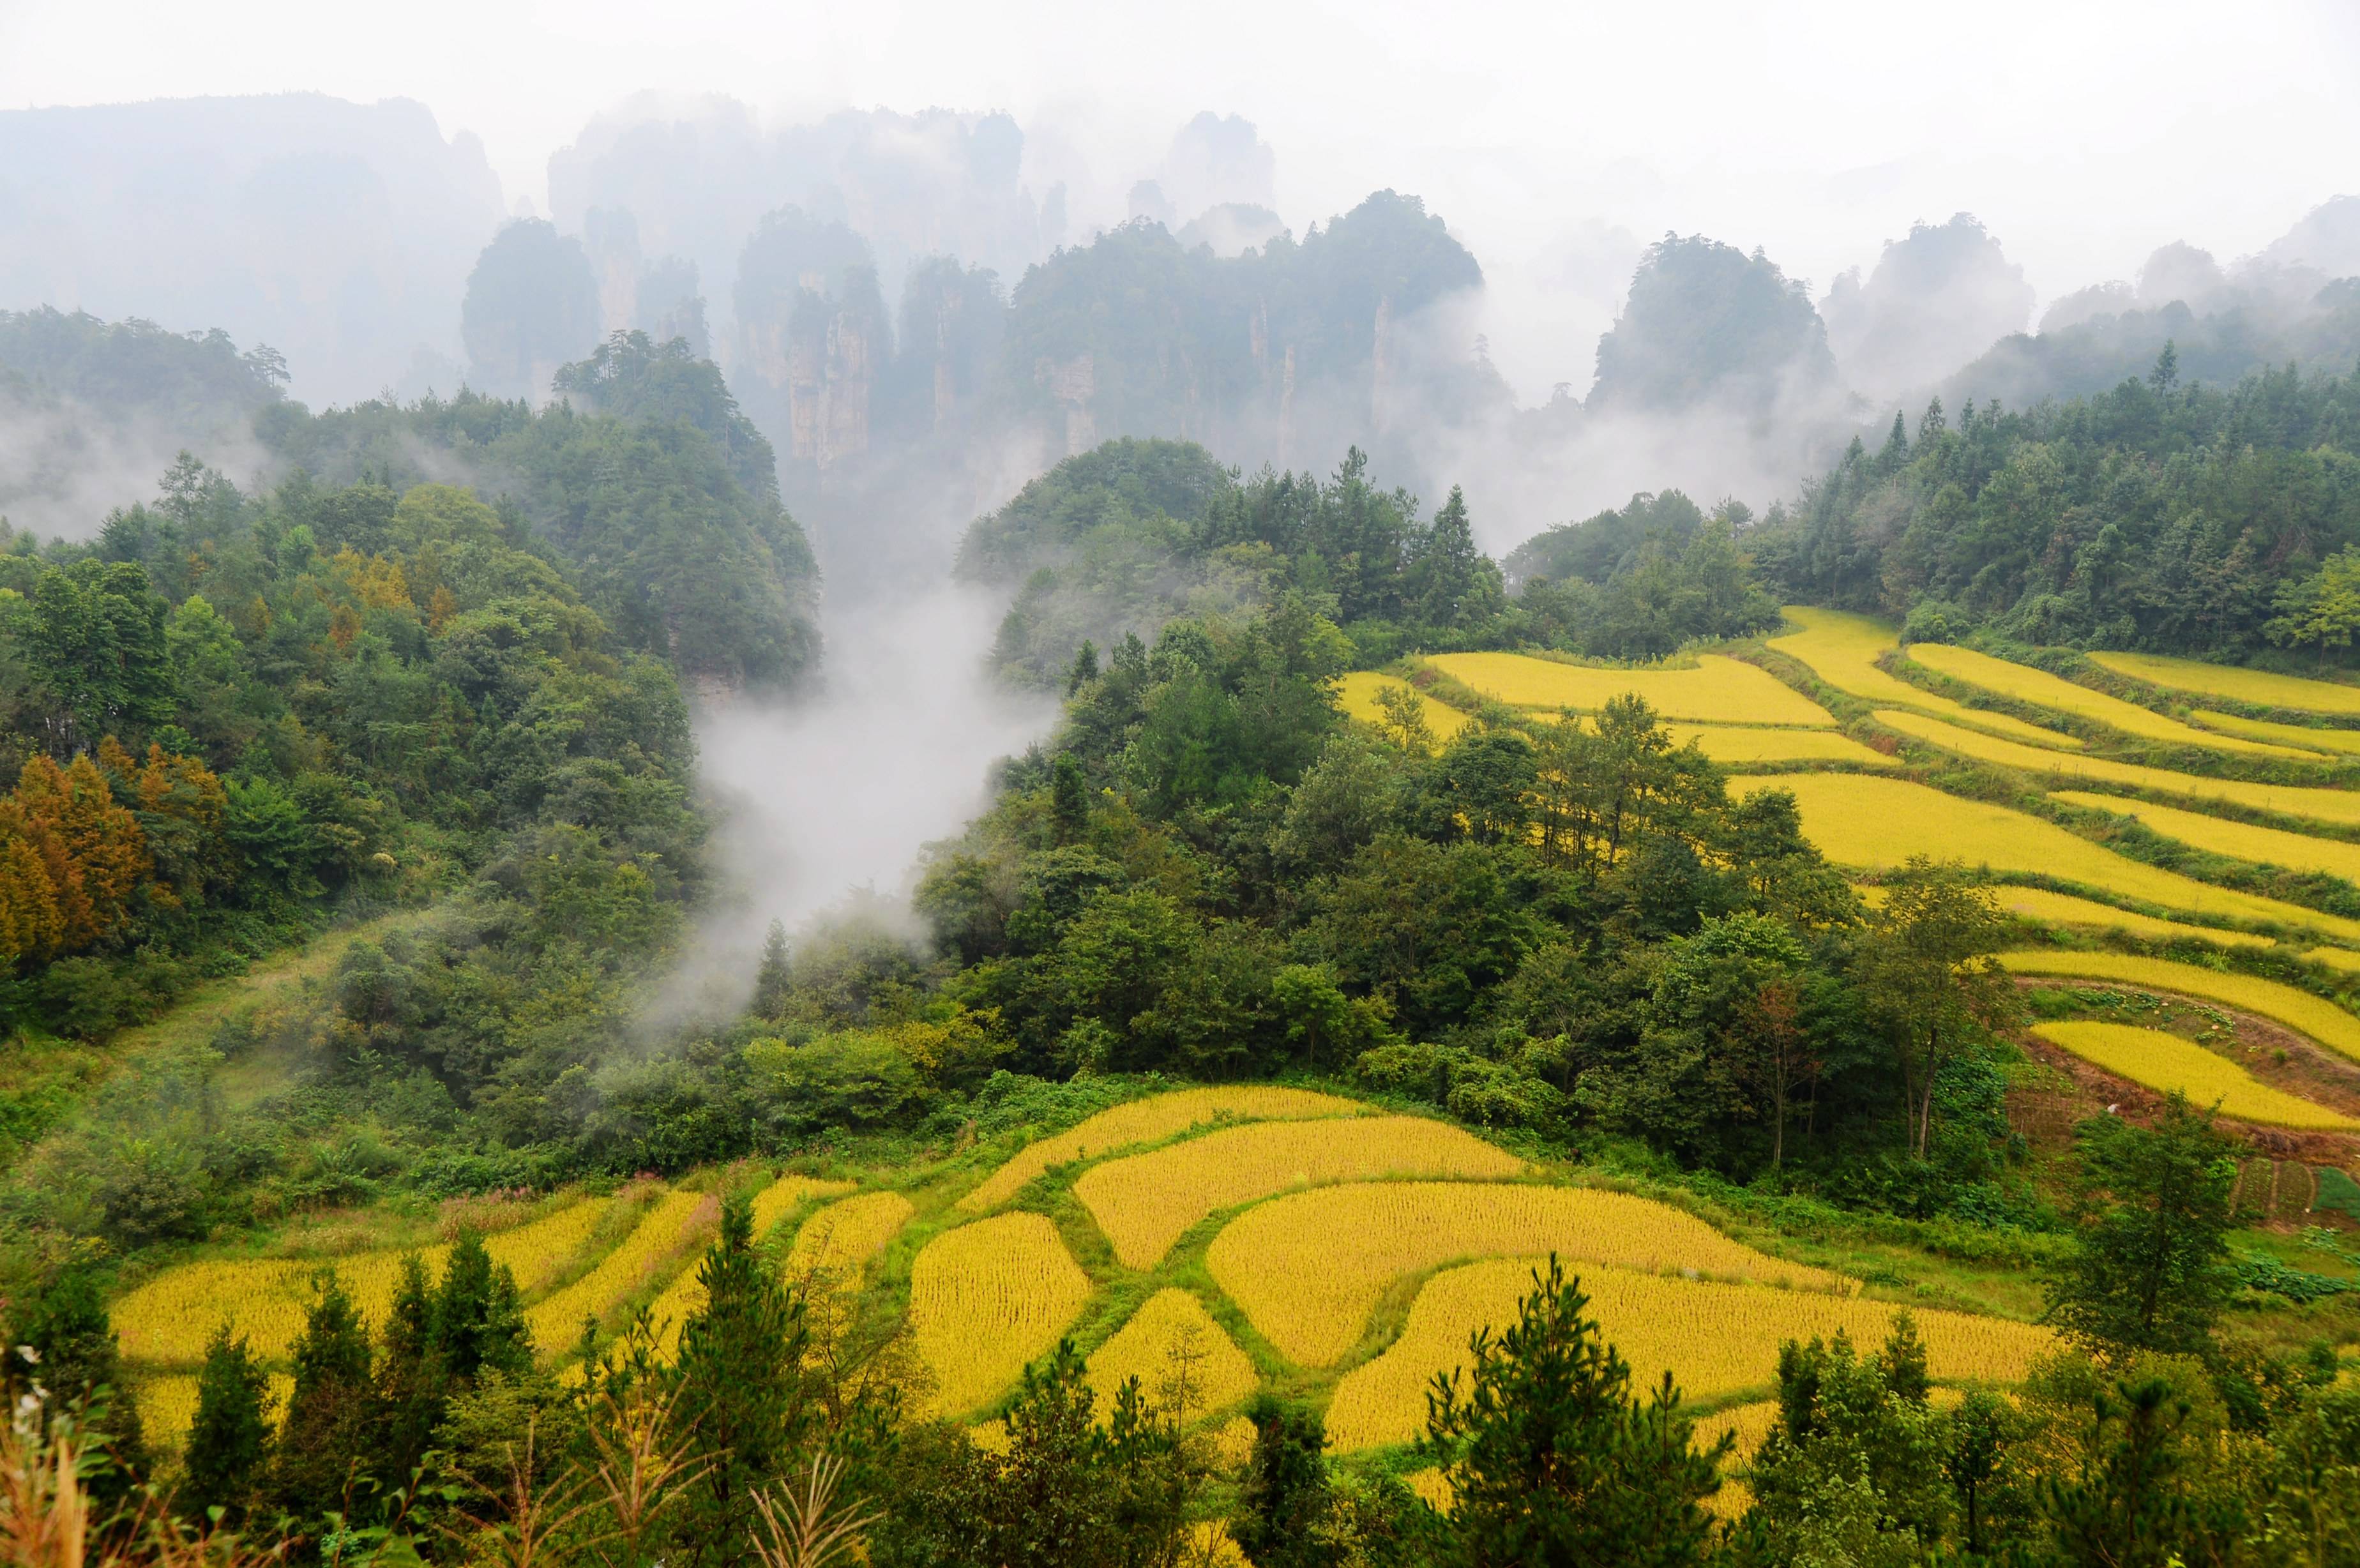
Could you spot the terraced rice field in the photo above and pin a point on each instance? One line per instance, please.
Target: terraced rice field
(1875, 824)
(1739, 745)
(1152, 1120)
(1356, 694)
(1308, 1268)
(1145, 1202)
(1717, 1340)
(2239, 841)
(2258, 687)
(785, 1195)
(2315, 1018)
(2025, 684)
(2314, 738)
(1170, 1329)
(1842, 650)
(678, 1221)
(2166, 1062)
(988, 1299)
(2339, 806)
(841, 1240)
(168, 1321)
(2065, 910)
(1718, 691)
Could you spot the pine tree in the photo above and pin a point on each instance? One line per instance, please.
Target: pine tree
(410, 1376)
(1553, 1460)
(478, 1325)
(1448, 565)
(324, 1447)
(772, 979)
(1069, 800)
(740, 1388)
(1085, 668)
(76, 1358)
(1288, 1497)
(230, 1444)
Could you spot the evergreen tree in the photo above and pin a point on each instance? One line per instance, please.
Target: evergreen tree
(1085, 668)
(740, 1372)
(229, 1445)
(1450, 568)
(1069, 798)
(410, 1375)
(479, 1323)
(1284, 1503)
(2149, 1268)
(76, 1358)
(325, 1445)
(1553, 1461)
(773, 980)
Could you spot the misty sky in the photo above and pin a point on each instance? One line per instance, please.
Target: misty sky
(2084, 135)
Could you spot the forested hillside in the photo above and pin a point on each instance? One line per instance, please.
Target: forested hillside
(2162, 514)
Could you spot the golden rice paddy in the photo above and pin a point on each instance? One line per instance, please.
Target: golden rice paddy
(841, 1240)
(2340, 806)
(988, 1299)
(1308, 1268)
(672, 1225)
(2239, 841)
(2065, 910)
(1842, 650)
(2314, 1017)
(2166, 1062)
(1742, 743)
(1151, 1120)
(1715, 1339)
(169, 1320)
(2025, 684)
(1145, 1202)
(2258, 687)
(1356, 694)
(785, 1195)
(2317, 737)
(1170, 1337)
(1718, 691)
(1875, 824)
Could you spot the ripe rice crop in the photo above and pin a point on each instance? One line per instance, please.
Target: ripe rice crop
(1842, 649)
(788, 1194)
(1144, 1202)
(2240, 841)
(1749, 1424)
(169, 1320)
(2314, 1017)
(1718, 691)
(2258, 687)
(2289, 799)
(840, 1239)
(2334, 957)
(1743, 743)
(1875, 824)
(1714, 1339)
(2025, 684)
(1356, 694)
(2065, 910)
(2165, 1062)
(988, 1299)
(668, 1229)
(2317, 737)
(1308, 1268)
(1151, 1120)
(1171, 1326)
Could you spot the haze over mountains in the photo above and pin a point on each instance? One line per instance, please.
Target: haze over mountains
(920, 309)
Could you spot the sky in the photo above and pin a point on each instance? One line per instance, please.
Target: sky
(1553, 137)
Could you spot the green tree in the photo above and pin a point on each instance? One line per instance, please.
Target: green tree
(75, 1356)
(2321, 610)
(321, 1465)
(228, 1450)
(1285, 1501)
(1928, 973)
(773, 977)
(2149, 1266)
(741, 1391)
(1553, 1459)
